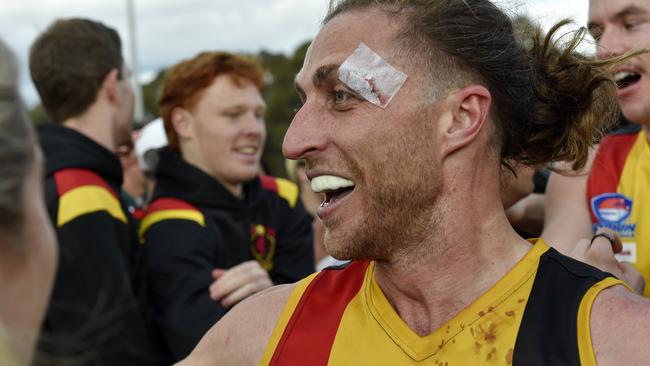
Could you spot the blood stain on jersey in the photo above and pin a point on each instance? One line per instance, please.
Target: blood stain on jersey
(492, 355)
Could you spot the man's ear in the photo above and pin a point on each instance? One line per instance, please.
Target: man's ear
(111, 85)
(182, 122)
(469, 111)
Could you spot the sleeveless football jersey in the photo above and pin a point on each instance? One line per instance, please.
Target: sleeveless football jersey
(618, 194)
(537, 314)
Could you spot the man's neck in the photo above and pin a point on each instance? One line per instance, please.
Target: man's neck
(237, 190)
(95, 123)
(470, 249)
(646, 128)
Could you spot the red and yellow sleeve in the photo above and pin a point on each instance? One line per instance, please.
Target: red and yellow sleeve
(169, 209)
(83, 192)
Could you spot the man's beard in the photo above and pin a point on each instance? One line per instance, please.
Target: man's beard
(400, 210)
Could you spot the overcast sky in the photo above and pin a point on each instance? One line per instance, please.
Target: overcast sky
(170, 30)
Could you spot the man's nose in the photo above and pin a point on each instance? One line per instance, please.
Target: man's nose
(254, 124)
(308, 133)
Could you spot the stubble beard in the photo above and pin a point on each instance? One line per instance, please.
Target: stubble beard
(401, 209)
(398, 220)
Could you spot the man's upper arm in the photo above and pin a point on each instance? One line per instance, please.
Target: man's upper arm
(92, 232)
(241, 336)
(567, 217)
(620, 328)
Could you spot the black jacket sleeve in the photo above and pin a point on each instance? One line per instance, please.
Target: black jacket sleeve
(94, 313)
(180, 256)
(294, 258)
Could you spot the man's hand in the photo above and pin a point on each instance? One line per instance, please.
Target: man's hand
(599, 253)
(237, 283)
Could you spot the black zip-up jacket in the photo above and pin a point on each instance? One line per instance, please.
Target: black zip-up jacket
(194, 225)
(94, 316)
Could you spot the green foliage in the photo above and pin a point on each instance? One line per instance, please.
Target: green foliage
(38, 115)
(282, 101)
(151, 94)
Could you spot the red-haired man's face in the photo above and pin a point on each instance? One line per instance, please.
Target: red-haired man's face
(224, 133)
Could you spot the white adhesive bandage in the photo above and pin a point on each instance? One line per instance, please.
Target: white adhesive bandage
(370, 76)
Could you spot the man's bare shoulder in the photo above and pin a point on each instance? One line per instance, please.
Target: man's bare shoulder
(240, 337)
(620, 328)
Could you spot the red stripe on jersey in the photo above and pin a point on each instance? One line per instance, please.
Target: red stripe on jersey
(321, 307)
(269, 183)
(69, 179)
(165, 203)
(608, 166)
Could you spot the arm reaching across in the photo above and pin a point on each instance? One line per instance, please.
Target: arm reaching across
(599, 252)
(567, 218)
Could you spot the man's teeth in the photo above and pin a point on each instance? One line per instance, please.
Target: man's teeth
(622, 75)
(329, 183)
(247, 150)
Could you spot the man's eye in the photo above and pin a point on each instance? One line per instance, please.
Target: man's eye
(596, 35)
(596, 32)
(341, 96)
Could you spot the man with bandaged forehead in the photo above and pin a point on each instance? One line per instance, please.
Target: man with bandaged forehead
(412, 114)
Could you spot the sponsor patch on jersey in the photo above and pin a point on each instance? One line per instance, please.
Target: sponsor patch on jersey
(611, 208)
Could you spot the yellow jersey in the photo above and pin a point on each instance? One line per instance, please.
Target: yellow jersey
(537, 314)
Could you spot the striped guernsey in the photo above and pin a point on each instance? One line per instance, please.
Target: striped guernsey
(538, 314)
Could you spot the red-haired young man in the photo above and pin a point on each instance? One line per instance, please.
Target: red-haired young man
(213, 217)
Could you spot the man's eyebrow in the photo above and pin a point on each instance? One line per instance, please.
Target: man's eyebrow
(323, 73)
(630, 10)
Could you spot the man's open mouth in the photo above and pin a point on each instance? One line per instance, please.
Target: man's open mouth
(625, 79)
(333, 196)
(332, 186)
